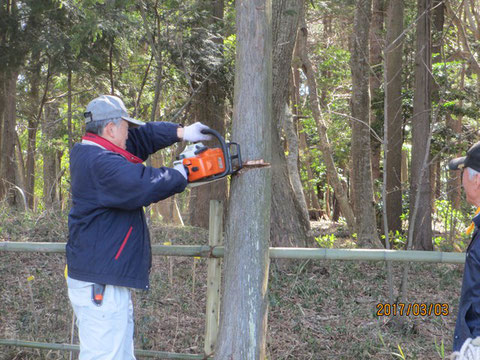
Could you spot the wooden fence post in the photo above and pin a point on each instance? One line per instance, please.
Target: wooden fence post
(215, 238)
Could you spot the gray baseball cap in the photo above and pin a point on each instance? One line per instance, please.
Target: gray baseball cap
(106, 107)
(471, 160)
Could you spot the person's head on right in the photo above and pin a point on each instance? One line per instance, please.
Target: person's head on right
(107, 117)
(470, 167)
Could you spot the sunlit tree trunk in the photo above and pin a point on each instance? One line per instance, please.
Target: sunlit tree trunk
(422, 106)
(50, 156)
(394, 118)
(8, 166)
(243, 322)
(362, 184)
(376, 59)
(290, 222)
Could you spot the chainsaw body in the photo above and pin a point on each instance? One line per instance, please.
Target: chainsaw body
(209, 164)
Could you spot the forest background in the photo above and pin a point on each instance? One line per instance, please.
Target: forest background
(332, 143)
(370, 100)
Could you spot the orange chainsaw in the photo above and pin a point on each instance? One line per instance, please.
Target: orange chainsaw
(205, 164)
(209, 164)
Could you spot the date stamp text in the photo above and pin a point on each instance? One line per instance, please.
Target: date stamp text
(414, 309)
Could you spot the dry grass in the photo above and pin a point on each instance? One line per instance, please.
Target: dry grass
(318, 309)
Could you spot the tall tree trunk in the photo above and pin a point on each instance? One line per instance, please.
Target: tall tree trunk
(2, 116)
(110, 67)
(7, 171)
(208, 107)
(422, 105)
(69, 108)
(376, 47)
(243, 321)
(292, 164)
(290, 222)
(33, 120)
(363, 201)
(454, 181)
(323, 144)
(50, 165)
(303, 146)
(394, 119)
(158, 87)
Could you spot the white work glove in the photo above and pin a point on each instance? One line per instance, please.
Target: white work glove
(193, 133)
(178, 165)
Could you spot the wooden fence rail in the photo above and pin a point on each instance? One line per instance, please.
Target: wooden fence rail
(76, 348)
(275, 253)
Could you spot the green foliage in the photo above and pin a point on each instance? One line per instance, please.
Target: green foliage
(440, 348)
(400, 354)
(398, 240)
(326, 241)
(452, 222)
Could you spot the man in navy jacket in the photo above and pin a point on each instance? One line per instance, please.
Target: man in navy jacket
(466, 341)
(108, 249)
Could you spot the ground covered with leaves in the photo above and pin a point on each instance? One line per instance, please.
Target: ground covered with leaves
(317, 309)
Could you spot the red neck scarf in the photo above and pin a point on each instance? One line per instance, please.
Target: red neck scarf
(111, 147)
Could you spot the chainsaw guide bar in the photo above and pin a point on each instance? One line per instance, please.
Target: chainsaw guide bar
(247, 165)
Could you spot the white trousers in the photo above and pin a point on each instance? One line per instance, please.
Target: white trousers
(106, 331)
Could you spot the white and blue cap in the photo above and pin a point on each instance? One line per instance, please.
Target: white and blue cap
(108, 107)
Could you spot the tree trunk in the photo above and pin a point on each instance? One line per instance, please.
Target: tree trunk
(7, 171)
(394, 118)
(2, 116)
(34, 115)
(323, 144)
(420, 175)
(290, 222)
(303, 146)
(454, 181)
(243, 322)
(438, 19)
(69, 109)
(208, 107)
(376, 47)
(50, 166)
(362, 169)
(292, 165)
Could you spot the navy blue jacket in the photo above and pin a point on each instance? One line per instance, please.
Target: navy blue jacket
(468, 319)
(109, 242)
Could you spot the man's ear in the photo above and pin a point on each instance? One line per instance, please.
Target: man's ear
(477, 180)
(108, 130)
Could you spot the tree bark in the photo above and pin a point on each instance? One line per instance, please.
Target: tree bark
(394, 118)
(50, 160)
(244, 307)
(33, 120)
(323, 144)
(8, 166)
(376, 59)
(420, 175)
(208, 107)
(69, 108)
(292, 165)
(290, 222)
(303, 146)
(2, 116)
(454, 181)
(363, 201)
